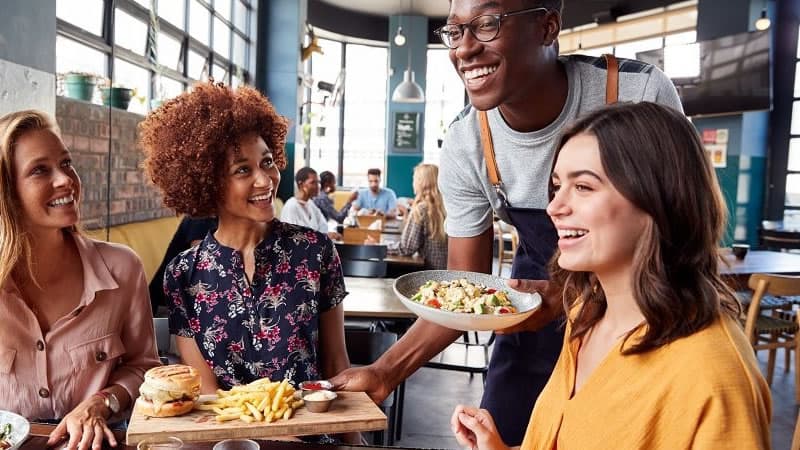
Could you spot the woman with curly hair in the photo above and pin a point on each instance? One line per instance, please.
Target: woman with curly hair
(257, 297)
(653, 357)
(423, 230)
(77, 333)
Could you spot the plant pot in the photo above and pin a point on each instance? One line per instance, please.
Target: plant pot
(321, 131)
(79, 86)
(439, 142)
(116, 97)
(154, 103)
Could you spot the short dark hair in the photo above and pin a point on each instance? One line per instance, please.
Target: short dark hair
(644, 149)
(552, 5)
(327, 178)
(303, 174)
(374, 171)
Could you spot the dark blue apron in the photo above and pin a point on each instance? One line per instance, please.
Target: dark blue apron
(522, 363)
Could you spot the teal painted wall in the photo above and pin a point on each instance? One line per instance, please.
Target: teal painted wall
(400, 162)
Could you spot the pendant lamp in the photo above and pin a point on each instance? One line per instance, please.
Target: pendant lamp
(408, 91)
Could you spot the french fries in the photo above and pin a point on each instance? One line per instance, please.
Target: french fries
(260, 401)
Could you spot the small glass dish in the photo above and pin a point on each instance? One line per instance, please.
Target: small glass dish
(319, 401)
(315, 385)
(236, 444)
(160, 443)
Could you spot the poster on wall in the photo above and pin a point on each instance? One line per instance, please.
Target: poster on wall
(406, 132)
(715, 141)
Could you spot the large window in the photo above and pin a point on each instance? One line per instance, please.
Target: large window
(792, 212)
(344, 110)
(444, 99)
(217, 40)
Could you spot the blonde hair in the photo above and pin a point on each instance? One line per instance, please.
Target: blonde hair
(427, 194)
(15, 244)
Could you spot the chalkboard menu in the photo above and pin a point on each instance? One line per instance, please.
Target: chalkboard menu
(406, 131)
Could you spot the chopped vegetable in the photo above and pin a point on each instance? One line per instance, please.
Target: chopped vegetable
(463, 296)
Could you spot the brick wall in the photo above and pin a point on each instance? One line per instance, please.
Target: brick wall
(85, 130)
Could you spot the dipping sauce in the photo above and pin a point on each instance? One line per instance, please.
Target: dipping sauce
(319, 396)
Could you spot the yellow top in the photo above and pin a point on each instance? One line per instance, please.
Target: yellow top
(703, 391)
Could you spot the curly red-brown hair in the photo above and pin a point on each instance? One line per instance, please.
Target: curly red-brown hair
(185, 142)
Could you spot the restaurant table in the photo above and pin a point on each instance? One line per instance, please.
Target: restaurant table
(736, 272)
(39, 433)
(373, 298)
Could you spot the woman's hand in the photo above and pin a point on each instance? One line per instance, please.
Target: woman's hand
(474, 429)
(85, 425)
(552, 307)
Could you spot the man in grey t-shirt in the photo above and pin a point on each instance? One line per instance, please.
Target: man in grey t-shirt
(506, 53)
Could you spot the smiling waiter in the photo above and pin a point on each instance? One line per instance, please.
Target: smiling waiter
(496, 158)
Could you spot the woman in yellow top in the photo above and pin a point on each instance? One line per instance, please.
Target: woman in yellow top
(653, 356)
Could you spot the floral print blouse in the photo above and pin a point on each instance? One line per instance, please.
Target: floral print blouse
(265, 328)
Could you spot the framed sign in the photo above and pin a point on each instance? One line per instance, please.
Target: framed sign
(406, 131)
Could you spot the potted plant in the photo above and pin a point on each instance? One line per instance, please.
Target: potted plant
(79, 85)
(116, 96)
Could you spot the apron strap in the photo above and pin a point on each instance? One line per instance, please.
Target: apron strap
(612, 79)
(612, 95)
(488, 156)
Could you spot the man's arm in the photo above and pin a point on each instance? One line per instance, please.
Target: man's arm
(424, 339)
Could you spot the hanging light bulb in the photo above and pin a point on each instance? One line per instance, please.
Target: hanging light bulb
(763, 22)
(399, 37)
(408, 91)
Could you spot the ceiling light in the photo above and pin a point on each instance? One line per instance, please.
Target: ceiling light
(763, 22)
(408, 91)
(400, 38)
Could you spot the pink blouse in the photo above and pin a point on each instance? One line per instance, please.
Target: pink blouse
(107, 339)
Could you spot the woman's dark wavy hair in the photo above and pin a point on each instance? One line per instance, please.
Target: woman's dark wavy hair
(655, 159)
(186, 140)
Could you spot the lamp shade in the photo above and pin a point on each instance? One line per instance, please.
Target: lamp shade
(408, 91)
(763, 22)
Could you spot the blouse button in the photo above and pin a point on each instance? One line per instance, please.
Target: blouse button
(44, 393)
(39, 345)
(101, 356)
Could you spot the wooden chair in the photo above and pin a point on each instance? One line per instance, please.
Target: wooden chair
(780, 330)
(505, 233)
(367, 220)
(796, 437)
(359, 235)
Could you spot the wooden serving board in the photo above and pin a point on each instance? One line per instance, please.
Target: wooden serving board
(350, 411)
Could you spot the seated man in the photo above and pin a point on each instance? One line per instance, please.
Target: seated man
(376, 199)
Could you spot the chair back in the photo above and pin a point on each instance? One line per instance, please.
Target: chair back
(766, 284)
(366, 221)
(365, 268)
(359, 235)
(355, 251)
(365, 347)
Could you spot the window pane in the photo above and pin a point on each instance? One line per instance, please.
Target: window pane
(796, 117)
(222, 38)
(169, 51)
(86, 14)
(682, 61)
(687, 37)
(197, 66)
(239, 50)
(793, 189)
(794, 155)
(199, 18)
(323, 146)
(130, 32)
(444, 95)
(630, 49)
(168, 88)
(797, 80)
(597, 51)
(173, 12)
(72, 56)
(223, 7)
(236, 81)
(133, 77)
(220, 73)
(240, 16)
(364, 112)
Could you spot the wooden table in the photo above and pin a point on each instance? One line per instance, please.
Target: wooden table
(736, 272)
(39, 433)
(373, 298)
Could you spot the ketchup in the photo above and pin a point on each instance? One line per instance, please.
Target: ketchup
(312, 386)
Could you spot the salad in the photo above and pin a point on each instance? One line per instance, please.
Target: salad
(5, 436)
(464, 297)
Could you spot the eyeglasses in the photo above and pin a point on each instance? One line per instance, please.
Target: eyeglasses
(484, 28)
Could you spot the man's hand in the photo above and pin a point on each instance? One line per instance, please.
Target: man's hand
(353, 196)
(363, 379)
(552, 307)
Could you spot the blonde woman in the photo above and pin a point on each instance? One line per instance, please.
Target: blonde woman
(77, 332)
(423, 231)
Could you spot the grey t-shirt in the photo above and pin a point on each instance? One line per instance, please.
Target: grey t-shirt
(524, 160)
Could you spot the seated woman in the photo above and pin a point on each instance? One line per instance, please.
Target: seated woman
(323, 200)
(300, 209)
(423, 230)
(257, 297)
(77, 333)
(653, 357)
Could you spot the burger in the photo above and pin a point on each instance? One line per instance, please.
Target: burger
(168, 391)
